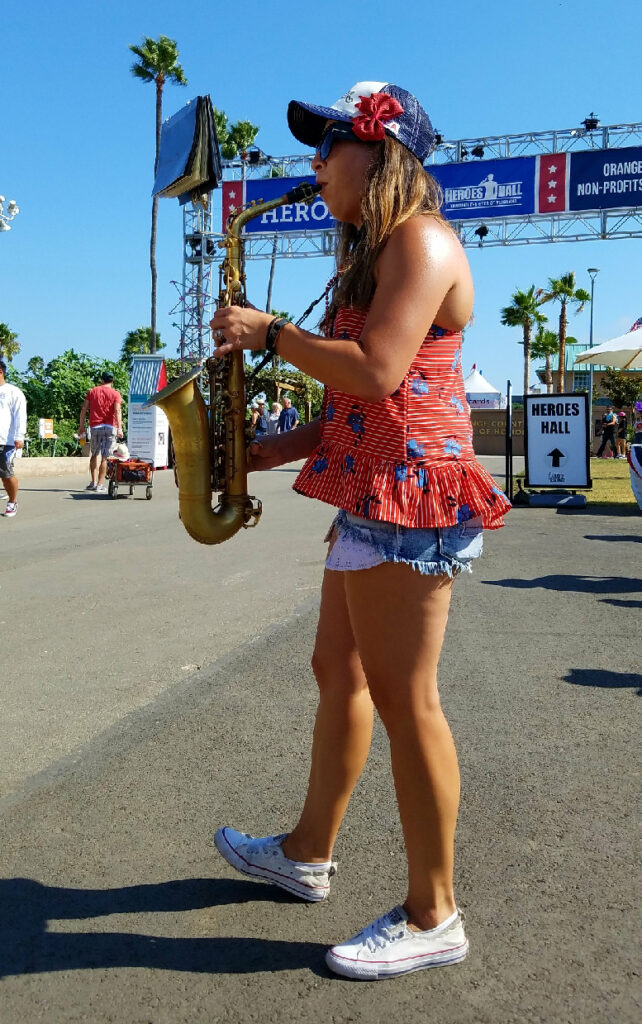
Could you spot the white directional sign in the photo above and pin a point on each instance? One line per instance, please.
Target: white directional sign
(557, 441)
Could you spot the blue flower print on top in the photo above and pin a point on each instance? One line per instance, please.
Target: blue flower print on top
(452, 447)
(464, 514)
(330, 412)
(319, 466)
(362, 506)
(419, 385)
(422, 478)
(401, 473)
(457, 403)
(348, 464)
(357, 423)
(437, 332)
(414, 450)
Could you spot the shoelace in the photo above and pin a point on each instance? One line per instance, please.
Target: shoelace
(378, 935)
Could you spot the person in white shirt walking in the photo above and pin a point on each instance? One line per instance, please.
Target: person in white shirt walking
(13, 427)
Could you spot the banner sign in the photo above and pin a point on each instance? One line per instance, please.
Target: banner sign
(557, 441)
(312, 216)
(486, 188)
(610, 178)
(605, 179)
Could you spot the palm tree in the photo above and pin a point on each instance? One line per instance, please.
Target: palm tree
(524, 312)
(545, 345)
(9, 347)
(158, 63)
(562, 289)
(138, 342)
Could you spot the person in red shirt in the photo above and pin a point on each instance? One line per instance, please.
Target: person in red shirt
(104, 405)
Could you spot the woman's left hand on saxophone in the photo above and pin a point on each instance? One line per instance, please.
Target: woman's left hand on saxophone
(239, 327)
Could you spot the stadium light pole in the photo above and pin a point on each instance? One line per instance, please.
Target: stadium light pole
(593, 272)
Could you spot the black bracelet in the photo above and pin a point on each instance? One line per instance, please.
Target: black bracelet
(272, 333)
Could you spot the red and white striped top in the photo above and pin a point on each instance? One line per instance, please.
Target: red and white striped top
(409, 458)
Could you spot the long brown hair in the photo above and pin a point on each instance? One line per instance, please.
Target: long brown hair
(396, 188)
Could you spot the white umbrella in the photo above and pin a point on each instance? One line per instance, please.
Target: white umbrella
(623, 353)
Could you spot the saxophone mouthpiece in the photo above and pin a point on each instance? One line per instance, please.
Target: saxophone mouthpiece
(303, 193)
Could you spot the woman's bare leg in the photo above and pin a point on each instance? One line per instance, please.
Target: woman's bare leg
(342, 731)
(398, 619)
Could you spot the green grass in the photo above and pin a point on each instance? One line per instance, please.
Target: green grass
(611, 484)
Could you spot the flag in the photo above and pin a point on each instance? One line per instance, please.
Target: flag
(637, 325)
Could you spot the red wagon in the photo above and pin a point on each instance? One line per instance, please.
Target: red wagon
(130, 473)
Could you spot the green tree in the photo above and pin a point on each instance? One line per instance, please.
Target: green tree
(158, 63)
(524, 312)
(622, 388)
(545, 345)
(306, 389)
(234, 139)
(242, 135)
(563, 290)
(138, 342)
(36, 367)
(9, 347)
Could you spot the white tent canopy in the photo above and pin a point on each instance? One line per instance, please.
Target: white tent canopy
(623, 353)
(480, 394)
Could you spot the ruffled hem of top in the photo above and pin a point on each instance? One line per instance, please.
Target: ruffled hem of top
(409, 495)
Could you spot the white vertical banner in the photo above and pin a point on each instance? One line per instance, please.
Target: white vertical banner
(147, 429)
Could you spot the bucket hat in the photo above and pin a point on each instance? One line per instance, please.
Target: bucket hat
(375, 109)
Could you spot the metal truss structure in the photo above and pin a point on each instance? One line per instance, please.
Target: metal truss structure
(200, 241)
(526, 230)
(195, 306)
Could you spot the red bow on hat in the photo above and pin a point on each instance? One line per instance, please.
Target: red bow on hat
(375, 109)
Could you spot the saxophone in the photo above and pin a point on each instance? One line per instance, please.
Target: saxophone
(210, 448)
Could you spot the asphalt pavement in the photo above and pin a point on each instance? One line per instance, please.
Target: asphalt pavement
(154, 689)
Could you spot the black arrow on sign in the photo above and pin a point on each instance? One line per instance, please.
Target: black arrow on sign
(555, 455)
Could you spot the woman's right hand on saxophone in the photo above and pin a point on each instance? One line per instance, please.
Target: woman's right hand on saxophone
(279, 449)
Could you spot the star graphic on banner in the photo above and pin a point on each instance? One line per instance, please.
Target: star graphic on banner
(552, 168)
(552, 183)
(232, 195)
(552, 199)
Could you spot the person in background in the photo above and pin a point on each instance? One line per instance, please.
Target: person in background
(637, 424)
(289, 418)
(609, 424)
(13, 427)
(104, 405)
(622, 427)
(261, 422)
(273, 418)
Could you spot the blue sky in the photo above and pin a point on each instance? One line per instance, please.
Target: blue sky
(77, 143)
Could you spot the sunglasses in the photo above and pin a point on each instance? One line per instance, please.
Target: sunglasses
(334, 133)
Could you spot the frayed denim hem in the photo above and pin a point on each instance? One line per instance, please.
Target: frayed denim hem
(364, 547)
(451, 569)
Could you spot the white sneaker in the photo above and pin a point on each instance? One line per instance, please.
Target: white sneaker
(101, 489)
(264, 858)
(11, 509)
(387, 948)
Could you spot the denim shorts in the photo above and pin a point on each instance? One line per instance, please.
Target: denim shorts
(357, 543)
